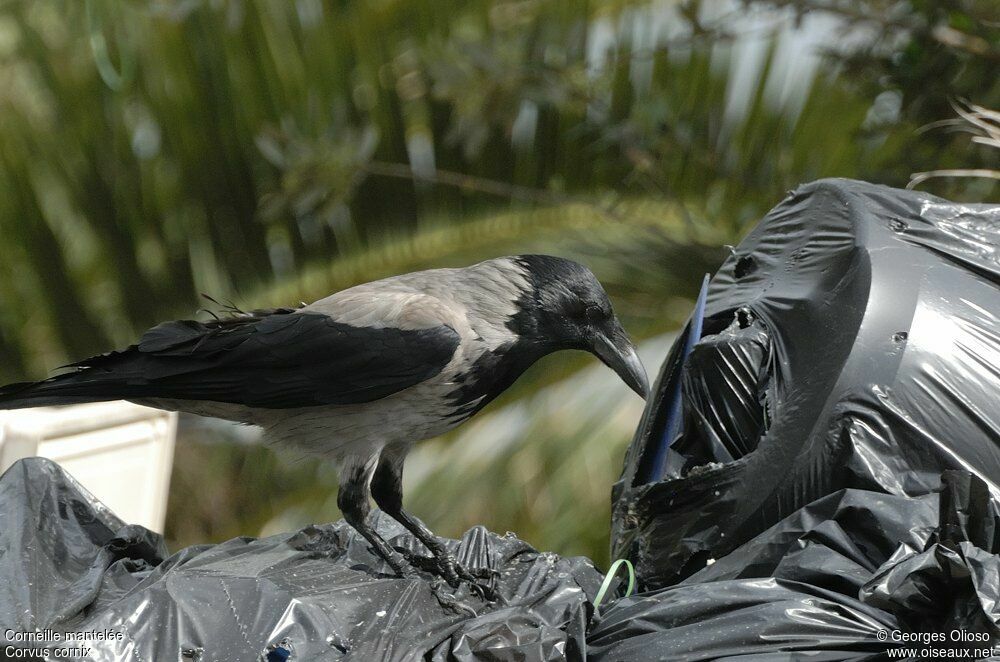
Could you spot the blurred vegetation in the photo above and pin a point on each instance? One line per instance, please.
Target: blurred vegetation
(271, 151)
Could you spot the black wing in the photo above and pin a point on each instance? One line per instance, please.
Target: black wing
(276, 360)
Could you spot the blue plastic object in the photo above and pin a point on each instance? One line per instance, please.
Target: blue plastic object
(672, 426)
(279, 654)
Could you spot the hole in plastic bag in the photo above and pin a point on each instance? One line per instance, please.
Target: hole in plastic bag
(724, 392)
(745, 266)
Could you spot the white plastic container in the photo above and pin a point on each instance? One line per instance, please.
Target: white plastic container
(119, 451)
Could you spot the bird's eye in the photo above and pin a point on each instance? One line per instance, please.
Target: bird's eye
(594, 313)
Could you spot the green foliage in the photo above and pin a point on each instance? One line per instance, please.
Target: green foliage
(918, 60)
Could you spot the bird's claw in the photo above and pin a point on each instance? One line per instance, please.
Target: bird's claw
(425, 563)
(485, 591)
(446, 567)
(399, 569)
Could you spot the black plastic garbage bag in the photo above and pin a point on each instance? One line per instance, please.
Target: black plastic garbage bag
(849, 576)
(852, 340)
(832, 487)
(69, 565)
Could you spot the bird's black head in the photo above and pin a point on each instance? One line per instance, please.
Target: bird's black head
(566, 308)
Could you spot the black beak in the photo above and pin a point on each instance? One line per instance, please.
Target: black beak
(617, 352)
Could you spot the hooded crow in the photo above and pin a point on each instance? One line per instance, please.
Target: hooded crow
(363, 374)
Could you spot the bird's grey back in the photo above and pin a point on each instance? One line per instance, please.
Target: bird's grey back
(473, 300)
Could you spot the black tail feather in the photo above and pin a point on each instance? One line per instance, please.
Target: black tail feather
(66, 389)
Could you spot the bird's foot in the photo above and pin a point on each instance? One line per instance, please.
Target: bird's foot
(399, 568)
(380, 548)
(445, 566)
(484, 584)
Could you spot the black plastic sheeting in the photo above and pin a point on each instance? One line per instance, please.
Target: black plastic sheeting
(849, 359)
(846, 577)
(829, 488)
(69, 565)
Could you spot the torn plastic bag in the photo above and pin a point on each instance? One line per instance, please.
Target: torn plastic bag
(726, 384)
(68, 564)
(851, 341)
(833, 581)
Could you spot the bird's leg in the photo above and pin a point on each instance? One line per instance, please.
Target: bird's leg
(352, 499)
(387, 490)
